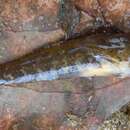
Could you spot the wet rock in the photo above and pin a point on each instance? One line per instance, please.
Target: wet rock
(27, 25)
(91, 7)
(49, 121)
(17, 44)
(110, 13)
(29, 15)
(117, 13)
(43, 106)
(52, 21)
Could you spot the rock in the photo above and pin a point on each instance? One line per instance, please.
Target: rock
(111, 13)
(49, 21)
(26, 25)
(26, 15)
(117, 13)
(17, 44)
(85, 104)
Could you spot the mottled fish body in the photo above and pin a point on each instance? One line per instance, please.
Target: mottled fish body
(97, 55)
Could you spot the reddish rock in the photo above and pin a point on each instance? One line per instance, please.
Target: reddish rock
(116, 12)
(26, 25)
(16, 44)
(29, 15)
(29, 24)
(60, 108)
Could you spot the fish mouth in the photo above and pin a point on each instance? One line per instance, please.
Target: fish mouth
(107, 66)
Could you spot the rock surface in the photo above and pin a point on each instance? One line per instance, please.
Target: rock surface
(62, 104)
(116, 12)
(29, 24)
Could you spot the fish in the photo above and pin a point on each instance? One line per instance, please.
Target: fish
(87, 56)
